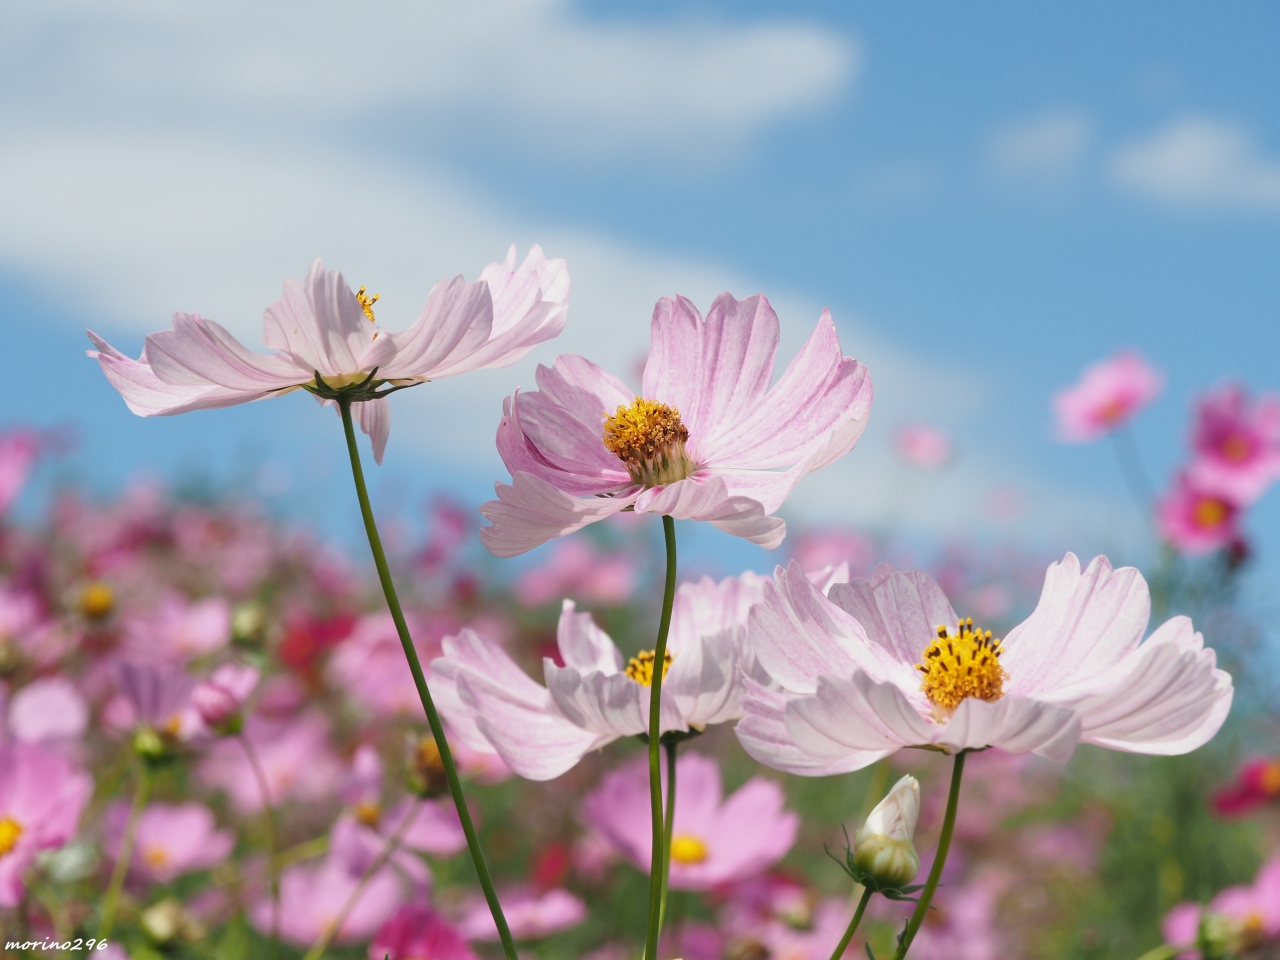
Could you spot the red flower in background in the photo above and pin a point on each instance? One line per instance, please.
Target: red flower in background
(1257, 784)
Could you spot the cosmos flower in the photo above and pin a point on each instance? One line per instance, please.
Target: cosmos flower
(314, 894)
(1196, 520)
(1239, 919)
(886, 663)
(46, 710)
(1236, 444)
(1257, 784)
(1107, 396)
(172, 839)
(19, 450)
(327, 340)
(530, 914)
(220, 699)
(419, 932)
(296, 760)
(41, 797)
(594, 698)
(921, 445)
(706, 439)
(714, 839)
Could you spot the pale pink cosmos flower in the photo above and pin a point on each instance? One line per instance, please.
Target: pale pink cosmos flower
(887, 663)
(48, 709)
(579, 569)
(706, 439)
(1196, 520)
(1236, 444)
(531, 914)
(418, 933)
(313, 896)
(326, 340)
(179, 630)
(369, 664)
(921, 445)
(595, 698)
(296, 760)
(714, 839)
(19, 450)
(172, 839)
(42, 795)
(1107, 396)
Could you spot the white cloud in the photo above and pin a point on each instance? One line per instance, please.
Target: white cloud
(1049, 146)
(1200, 162)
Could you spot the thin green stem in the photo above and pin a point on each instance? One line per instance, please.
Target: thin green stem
(303, 851)
(939, 859)
(125, 854)
(273, 845)
(420, 681)
(1162, 953)
(658, 860)
(668, 823)
(853, 924)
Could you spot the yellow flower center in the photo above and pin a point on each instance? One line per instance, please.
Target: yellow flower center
(1270, 779)
(1113, 411)
(10, 831)
(368, 812)
(959, 666)
(649, 437)
(640, 667)
(1209, 512)
(97, 600)
(155, 857)
(1236, 448)
(366, 303)
(686, 848)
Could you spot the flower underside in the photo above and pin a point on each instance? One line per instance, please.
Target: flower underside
(687, 849)
(640, 667)
(10, 831)
(649, 437)
(960, 666)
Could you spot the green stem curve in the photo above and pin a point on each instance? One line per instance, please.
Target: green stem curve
(853, 925)
(124, 855)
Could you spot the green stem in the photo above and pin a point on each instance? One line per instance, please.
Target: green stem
(273, 846)
(668, 824)
(1162, 953)
(303, 851)
(853, 924)
(125, 854)
(420, 681)
(657, 861)
(939, 860)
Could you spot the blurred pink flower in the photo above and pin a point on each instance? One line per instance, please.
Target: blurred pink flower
(1251, 914)
(418, 933)
(540, 732)
(48, 709)
(530, 914)
(1236, 444)
(576, 568)
(296, 759)
(968, 928)
(921, 445)
(704, 441)
(322, 332)
(1257, 784)
(220, 699)
(1107, 396)
(18, 452)
(876, 667)
(819, 551)
(42, 795)
(369, 665)
(178, 630)
(1194, 520)
(312, 895)
(450, 526)
(714, 840)
(156, 697)
(172, 839)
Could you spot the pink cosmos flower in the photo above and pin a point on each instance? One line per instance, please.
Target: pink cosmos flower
(1107, 396)
(41, 798)
(921, 445)
(177, 630)
(579, 569)
(326, 340)
(418, 932)
(970, 928)
(703, 441)
(886, 663)
(1247, 916)
(172, 839)
(18, 452)
(220, 699)
(530, 914)
(846, 551)
(714, 839)
(313, 895)
(369, 664)
(540, 732)
(48, 709)
(155, 697)
(1236, 444)
(1196, 520)
(1257, 784)
(296, 760)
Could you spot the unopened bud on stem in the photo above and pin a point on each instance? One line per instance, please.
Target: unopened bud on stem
(882, 850)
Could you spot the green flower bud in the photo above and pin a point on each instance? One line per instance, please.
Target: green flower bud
(883, 851)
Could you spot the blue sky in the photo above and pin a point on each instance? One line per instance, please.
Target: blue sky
(988, 196)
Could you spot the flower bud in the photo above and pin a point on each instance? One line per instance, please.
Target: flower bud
(249, 624)
(882, 848)
(220, 699)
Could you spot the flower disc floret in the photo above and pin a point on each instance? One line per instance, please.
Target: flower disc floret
(686, 848)
(640, 667)
(961, 665)
(649, 437)
(10, 831)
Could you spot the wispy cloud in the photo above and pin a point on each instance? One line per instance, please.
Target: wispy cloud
(1049, 146)
(1200, 163)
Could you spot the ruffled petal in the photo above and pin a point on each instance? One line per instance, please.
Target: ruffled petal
(900, 610)
(612, 705)
(673, 371)
(319, 323)
(520, 454)
(199, 352)
(763, 735)
(705, 498)
(737, 343)
(857, 715)
(1014, 724)
(583, 645)
(530, 511)
(470, 652)
(147, 395)
(375, 421)
(456, 321)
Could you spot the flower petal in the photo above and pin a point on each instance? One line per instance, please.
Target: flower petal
(1014, 724)
(197, 352)
(529, 512)
(146, 394)
(471, 652)
(455, 323)
(705, 498)
(672, 374)
(375, 421)
(857, 715)
(763, 734)
(319, 323)
(899, 610)
(583, 645)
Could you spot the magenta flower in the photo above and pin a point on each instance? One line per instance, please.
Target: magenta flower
(178, 631)
(577, 568)
(369, 664)
(172, 839)
(530, 914)
(1107, 396)
(419, 933)
(313, 895)
(886, 663)
(1257, 784)
(1236, 444)
(594, 698)
(219, 700)
(326, 340)
(714, 840)
(705, 439)
(41, 798)
(921, 445)
(1196, 520)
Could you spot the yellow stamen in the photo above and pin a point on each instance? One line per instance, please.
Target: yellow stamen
(1209, 512)
(686, 848)
(640, 667)
(367, 302)
(155, 857)
(368, 812)
(955, 667)
(649, 437)
(97, 600)
(1270, 779)
(10, 831)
